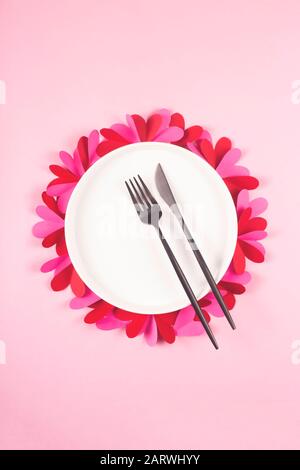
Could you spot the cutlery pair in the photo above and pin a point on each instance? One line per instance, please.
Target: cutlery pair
(149, 212)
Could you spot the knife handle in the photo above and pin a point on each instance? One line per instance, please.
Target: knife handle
(188, 290)
(203, 265)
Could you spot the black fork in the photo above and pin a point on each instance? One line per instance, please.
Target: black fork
(149, 212)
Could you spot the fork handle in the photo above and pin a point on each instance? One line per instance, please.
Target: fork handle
(188, 290)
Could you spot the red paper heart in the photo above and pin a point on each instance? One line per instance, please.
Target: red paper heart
(233, 287)
(62, 280)
(229, 300)
(77, 285)
(153, 125)
(53, 238)
(165, 330)
(64, 175)
(177, 120)
(257, 223)
(107, 146)
(204, 302)
(242, 182)
(222, 147)
(110, 134)
(101, 310)
(244, 219)
(193, 133)
(83, 151)
(238, 261)
(208, 152)
(61, 247)
(124, 315)
(51, 203)
(140, 125)
(134, 327)
(251, 252)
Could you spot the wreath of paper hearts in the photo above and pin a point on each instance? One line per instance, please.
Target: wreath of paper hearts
(162, 126)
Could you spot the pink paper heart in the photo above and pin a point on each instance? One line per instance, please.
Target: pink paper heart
(151, 331)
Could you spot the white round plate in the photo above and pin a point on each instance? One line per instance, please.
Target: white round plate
(122, 260)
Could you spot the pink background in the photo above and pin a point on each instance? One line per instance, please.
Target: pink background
(74, 65)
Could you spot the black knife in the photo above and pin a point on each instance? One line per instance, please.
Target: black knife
(167, 195)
